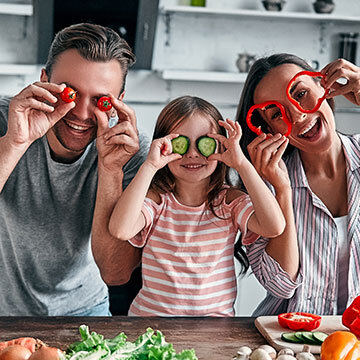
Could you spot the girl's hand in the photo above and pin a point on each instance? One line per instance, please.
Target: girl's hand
(265, 154)
(233, 155)
(341, 68)
(160, 153)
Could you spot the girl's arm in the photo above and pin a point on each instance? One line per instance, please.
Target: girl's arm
(268, 219)
(266, 155)
(127, 219)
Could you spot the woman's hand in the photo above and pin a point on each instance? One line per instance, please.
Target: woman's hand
(233, 155)
(338, 69)
(34, 111)
(266, 155)
(116, 145)
(160, 153)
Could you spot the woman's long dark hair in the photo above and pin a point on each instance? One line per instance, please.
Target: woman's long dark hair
(171, 117)
(257, 72)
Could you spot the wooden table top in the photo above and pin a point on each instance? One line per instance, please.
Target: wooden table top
(212, 338)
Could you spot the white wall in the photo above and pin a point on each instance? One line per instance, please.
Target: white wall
(203, 43)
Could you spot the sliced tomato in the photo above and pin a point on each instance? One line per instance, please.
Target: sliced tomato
(299, 321)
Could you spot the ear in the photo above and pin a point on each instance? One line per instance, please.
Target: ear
(122, 95)
(44, 77)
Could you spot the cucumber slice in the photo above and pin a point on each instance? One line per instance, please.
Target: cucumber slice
(206, 145)
(309, 338)
(319, 336)
(299, 336)
(180, 145)
(290, 337)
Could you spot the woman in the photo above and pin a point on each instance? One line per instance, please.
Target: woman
(317, 265)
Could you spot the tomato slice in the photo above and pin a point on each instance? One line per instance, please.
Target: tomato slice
(299, 321)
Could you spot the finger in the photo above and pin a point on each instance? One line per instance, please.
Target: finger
(341, 73)
(125, 112)
(31, 103)
(60, 111)
(102, 122)
(120, 128)
(34, 90)
(173, 157)
(215, 157)
(280, 152)
(122, 140)
(226, 125)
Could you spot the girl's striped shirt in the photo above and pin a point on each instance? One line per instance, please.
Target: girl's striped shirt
(316, 288)
(188, 257)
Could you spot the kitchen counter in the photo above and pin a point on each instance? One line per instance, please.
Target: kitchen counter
(212, 338)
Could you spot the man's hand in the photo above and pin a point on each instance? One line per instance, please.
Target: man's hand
(118, 144)
(34, 111)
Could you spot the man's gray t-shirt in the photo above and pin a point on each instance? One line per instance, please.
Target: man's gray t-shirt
(46, 212)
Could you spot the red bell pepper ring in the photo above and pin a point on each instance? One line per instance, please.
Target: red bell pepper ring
(293, 101)
(262, 106)
(299, 321)
(351, 317)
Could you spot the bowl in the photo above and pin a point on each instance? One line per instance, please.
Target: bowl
(273, 5)
(323, 7)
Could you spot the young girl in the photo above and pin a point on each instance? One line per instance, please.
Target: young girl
(186, 216)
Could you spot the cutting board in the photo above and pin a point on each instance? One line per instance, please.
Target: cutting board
(271, 330)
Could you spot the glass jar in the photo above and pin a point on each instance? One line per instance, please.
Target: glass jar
(348, 46)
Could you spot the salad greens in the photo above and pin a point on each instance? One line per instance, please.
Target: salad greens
(149, 345)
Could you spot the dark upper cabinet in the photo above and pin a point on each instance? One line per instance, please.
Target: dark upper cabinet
(134, 20)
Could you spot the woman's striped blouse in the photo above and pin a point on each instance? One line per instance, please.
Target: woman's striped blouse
(315, 289)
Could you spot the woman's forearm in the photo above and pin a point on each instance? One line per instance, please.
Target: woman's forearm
(268, 218)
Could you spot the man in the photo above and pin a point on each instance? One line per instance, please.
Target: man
(58, 185)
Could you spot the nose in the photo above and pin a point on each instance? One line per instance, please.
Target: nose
(296, 115)
(193, 151)
(84, 109)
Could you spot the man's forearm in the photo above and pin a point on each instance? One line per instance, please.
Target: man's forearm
(116, 259)
(9, 157)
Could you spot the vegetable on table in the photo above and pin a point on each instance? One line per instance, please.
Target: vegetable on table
(293, 101)
(351, 317)
(299, 321)
(104, 103)
(340, 345)
(68, 95)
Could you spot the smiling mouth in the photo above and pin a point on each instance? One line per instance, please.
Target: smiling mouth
(76, 127)
(311, 129)
(194, 166)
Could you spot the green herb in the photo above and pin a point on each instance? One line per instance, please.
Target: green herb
(149, 345)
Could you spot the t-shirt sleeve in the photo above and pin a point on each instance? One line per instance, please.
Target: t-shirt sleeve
(4, 109)
(241, 210)
(149, 210)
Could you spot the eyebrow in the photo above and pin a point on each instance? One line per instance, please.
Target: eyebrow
(269, 106)
(294, 87)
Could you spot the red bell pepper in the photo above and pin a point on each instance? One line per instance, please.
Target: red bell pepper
(299, 321)
(351, 317)
(262, 106)
(293, 101)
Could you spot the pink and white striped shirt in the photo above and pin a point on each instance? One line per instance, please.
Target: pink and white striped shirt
(316, 288)
(188, 257)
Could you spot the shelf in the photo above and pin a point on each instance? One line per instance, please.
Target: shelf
(203, 76)
(278, 15)
(17, 69)
(16, 9)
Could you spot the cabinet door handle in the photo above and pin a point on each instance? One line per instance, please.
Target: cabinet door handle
(146, 28)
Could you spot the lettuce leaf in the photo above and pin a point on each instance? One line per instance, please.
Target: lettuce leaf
(149, 346)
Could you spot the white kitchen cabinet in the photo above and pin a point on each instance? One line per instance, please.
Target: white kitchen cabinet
(208, 39)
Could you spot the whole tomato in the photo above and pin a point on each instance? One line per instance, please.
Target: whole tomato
(68, 94)
(104, 103)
